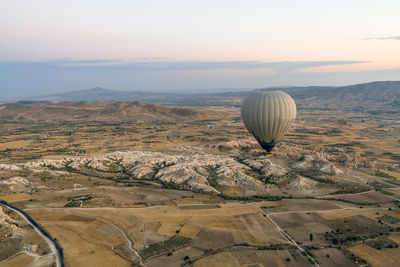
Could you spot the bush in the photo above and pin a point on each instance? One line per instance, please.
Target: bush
(164, 246)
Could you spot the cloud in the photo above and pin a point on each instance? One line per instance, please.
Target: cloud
(385, 38)
(157, 64)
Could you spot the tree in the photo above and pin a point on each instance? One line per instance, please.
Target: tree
(311, 236)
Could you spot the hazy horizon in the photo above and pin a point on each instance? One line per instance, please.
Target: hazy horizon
(50, 47)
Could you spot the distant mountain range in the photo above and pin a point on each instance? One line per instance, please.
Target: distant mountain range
(373, 98)
(374, 91)
(95, 94)
(382, 92)
(100, 104)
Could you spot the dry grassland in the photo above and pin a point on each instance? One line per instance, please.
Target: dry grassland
(372, 213)
(367, 197)
(310, 204)
(24, 141)
(188, 201)
(86, 241)
(381, 258)
(332, 257)
(221, 259)
(266, 204)
(87, 236)
(14, 144)
(79, 230)
(174, 259)
(249, 257)
(393, 174)
(198, 206)
(395, 237)
(22, 259)
(170, 219)
(394, 191)
(12, 198)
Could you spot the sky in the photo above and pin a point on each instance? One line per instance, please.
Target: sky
(49, 46)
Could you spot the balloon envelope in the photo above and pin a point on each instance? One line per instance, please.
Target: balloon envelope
(268, 115)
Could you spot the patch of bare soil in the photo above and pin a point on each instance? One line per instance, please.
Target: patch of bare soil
(178, 257)
(125, 252)
(260, 230)
(354, 228)
(208, 238)
(307, 204)
(332, 257)
(367, 197)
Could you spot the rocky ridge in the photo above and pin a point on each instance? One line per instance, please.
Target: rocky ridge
(198, 171)
(201, 169)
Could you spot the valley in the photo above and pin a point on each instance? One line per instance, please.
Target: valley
(131, 184)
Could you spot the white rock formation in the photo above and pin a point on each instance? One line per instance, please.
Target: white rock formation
(16, 184)
(266, 167)
(312, 161)
(302, 183)
(193, 169)
(7, 221)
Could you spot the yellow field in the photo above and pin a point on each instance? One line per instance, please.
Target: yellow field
(17, 197)
(221, 259)
(395, 237)
(367, 212)
(14, 144)
(383, 257)
(394, 174)
(85, 241)
(266, 204)
(22, 259)
(188, 201)
(166, 220)
(88, 234)
(247, 257)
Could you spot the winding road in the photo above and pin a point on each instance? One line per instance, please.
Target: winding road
(54, 246)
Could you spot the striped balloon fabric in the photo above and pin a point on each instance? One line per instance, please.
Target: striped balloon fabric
(268, 115)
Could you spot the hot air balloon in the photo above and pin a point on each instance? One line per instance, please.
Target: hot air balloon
(268, 115)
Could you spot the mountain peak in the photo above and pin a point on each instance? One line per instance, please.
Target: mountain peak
(97, 88)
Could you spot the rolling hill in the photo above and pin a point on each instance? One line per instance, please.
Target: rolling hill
(381, 91)
(379, 94)
(102, 112)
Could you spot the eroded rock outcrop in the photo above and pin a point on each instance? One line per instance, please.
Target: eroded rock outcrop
(266, 167)
(302, 183)
(8, 221)
(232, 145)
(355, 160)
(197, 170)
(314, 162)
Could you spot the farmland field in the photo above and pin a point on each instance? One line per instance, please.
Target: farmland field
(194, 188)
